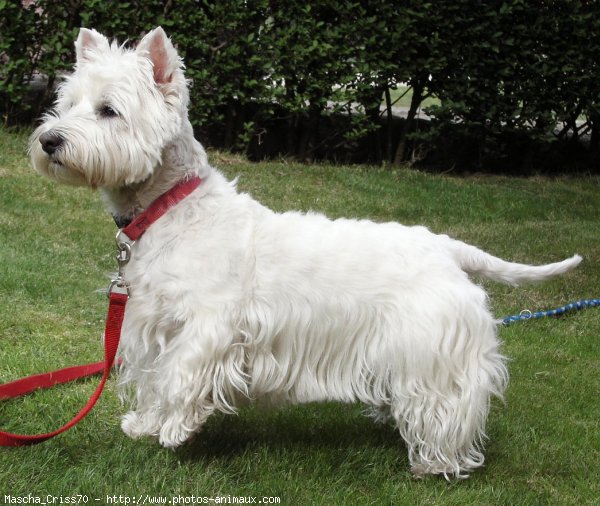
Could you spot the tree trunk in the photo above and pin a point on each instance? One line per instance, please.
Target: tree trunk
(228, 137)
(309, 133)
(389, 125)
(373, 113)
(415, 103)
(595, 135)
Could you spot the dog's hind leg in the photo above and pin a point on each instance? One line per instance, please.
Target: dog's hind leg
(441, 399)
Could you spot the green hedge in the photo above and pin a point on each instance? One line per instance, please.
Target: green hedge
(313, 76)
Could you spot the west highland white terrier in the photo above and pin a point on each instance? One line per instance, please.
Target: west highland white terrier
(231, 302)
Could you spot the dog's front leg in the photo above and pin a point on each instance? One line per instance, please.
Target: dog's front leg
(199, 370)
(172, 402)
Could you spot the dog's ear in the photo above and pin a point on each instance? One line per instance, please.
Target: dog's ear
(159, 49)
(88, 41)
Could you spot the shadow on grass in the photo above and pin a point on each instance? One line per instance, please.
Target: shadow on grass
(328, 427)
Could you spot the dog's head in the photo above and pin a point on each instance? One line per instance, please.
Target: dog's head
(114, 114)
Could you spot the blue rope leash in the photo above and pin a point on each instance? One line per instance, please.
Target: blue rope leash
(573, 306)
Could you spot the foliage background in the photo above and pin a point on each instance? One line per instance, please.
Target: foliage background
(517, 82)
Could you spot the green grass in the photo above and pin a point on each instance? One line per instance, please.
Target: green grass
(56, 244)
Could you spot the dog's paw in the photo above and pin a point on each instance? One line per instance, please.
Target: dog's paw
(173, 434)
(134, 426)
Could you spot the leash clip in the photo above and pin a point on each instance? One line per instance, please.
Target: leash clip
(118, 285)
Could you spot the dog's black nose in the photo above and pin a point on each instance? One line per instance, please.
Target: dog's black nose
(50, 141)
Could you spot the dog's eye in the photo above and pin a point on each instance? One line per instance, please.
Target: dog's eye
(106, 111)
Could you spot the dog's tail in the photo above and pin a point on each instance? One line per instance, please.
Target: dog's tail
(475, 261)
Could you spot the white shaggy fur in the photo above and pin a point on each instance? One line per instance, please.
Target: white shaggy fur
(231, 302)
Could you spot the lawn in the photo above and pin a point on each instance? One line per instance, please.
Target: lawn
(56, 246)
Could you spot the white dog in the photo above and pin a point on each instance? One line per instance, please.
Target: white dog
(231, 302)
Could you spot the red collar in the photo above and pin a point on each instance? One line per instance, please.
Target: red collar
(160, 206)
(132, 232)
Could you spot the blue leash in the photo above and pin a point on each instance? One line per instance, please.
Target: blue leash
(573, 306)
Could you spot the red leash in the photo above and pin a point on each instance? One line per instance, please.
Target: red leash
(118, 295)
(116, 312)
